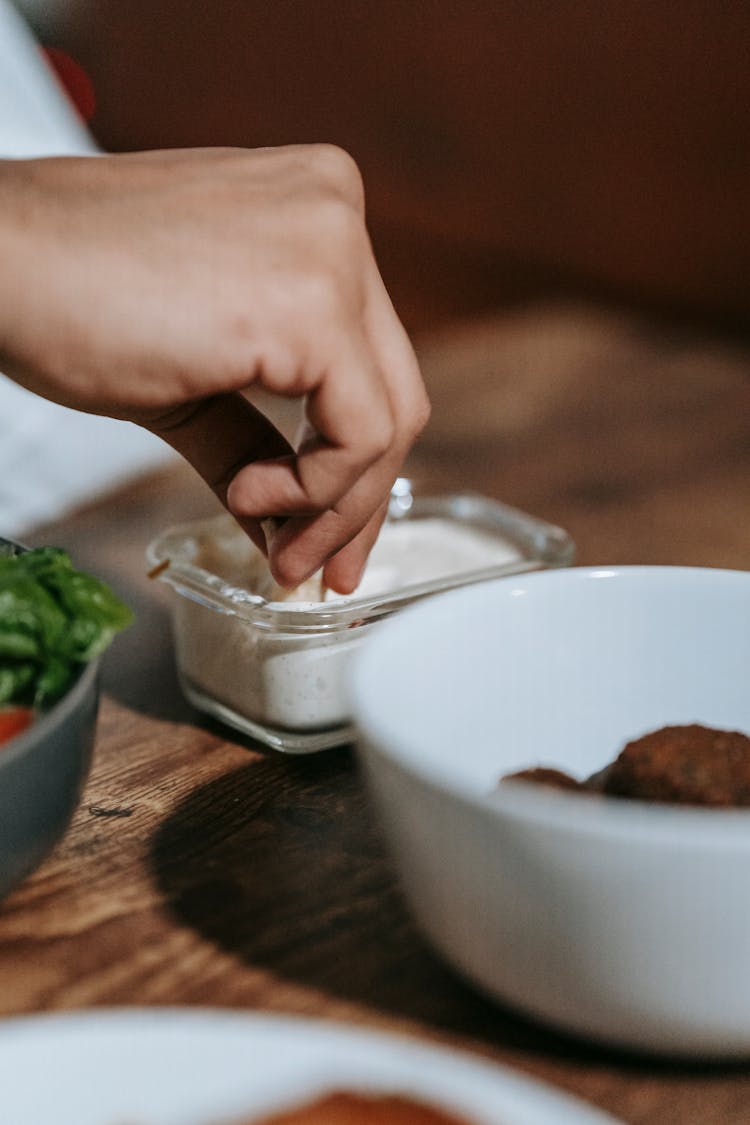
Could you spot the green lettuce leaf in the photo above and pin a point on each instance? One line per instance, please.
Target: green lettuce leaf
(53, 620)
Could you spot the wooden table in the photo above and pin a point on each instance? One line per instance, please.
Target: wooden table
(201, 869)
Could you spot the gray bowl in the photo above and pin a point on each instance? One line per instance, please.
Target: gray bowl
(42, 773)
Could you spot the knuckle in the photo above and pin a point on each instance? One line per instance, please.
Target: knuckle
(288, 570)
(238, 500)
(320, 482)
(378, 437)
(341, 233)
(420, 415)
(322, 492)
(339, 169)
(320, 294)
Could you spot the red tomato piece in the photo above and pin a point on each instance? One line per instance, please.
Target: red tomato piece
(13, 720)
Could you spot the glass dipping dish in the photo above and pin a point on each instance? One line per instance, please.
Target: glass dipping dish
(277, 670)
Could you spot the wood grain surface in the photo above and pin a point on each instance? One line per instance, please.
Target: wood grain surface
(201, 869)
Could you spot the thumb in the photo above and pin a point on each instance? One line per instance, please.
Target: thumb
(219, 436)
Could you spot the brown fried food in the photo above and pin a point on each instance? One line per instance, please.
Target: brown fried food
(678, 765)
(691, 765)
(546, 775)
(358, 1109)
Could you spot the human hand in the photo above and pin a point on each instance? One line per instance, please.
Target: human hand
(158, 286)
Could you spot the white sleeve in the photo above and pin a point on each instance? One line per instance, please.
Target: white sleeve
(52, 459)
(36, 117)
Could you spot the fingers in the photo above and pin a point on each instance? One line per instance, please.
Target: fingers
(350, 427)
(315, 322)
(301, 546)
(306, 539)
(397, 362)
(218, 436)
(343, 572)
(331, 490)
(363, 414)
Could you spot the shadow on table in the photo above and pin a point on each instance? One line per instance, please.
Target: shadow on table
(281, 864)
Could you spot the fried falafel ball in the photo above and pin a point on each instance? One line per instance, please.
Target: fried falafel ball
(355, 1109)
(690, 765)
(547, 775)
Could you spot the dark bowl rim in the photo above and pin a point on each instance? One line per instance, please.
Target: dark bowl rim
(25, 743)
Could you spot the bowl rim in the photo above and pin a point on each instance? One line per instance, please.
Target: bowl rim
(686, 826)
(25, 742)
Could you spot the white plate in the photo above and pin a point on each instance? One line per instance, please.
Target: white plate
(203, 1067)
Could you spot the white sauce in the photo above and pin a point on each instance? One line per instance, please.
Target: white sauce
(406, 553)
(296, 682)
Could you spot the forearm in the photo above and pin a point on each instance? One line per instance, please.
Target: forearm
(15, 254)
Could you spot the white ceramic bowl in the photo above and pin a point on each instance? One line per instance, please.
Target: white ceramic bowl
(619, 920)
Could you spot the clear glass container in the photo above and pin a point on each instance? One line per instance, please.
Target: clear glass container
(276, 670)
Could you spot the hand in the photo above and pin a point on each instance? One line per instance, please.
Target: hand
(157, 287)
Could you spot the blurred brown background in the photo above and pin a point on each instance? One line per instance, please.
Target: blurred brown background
(510, 149)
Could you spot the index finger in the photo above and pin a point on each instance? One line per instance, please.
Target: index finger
(351, 426)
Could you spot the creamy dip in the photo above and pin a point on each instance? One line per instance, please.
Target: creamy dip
(408, 552)
(261, 676)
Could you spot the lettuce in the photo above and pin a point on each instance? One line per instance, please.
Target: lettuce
(53, 620)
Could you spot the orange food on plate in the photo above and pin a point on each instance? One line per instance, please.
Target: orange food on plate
(358, 1109)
